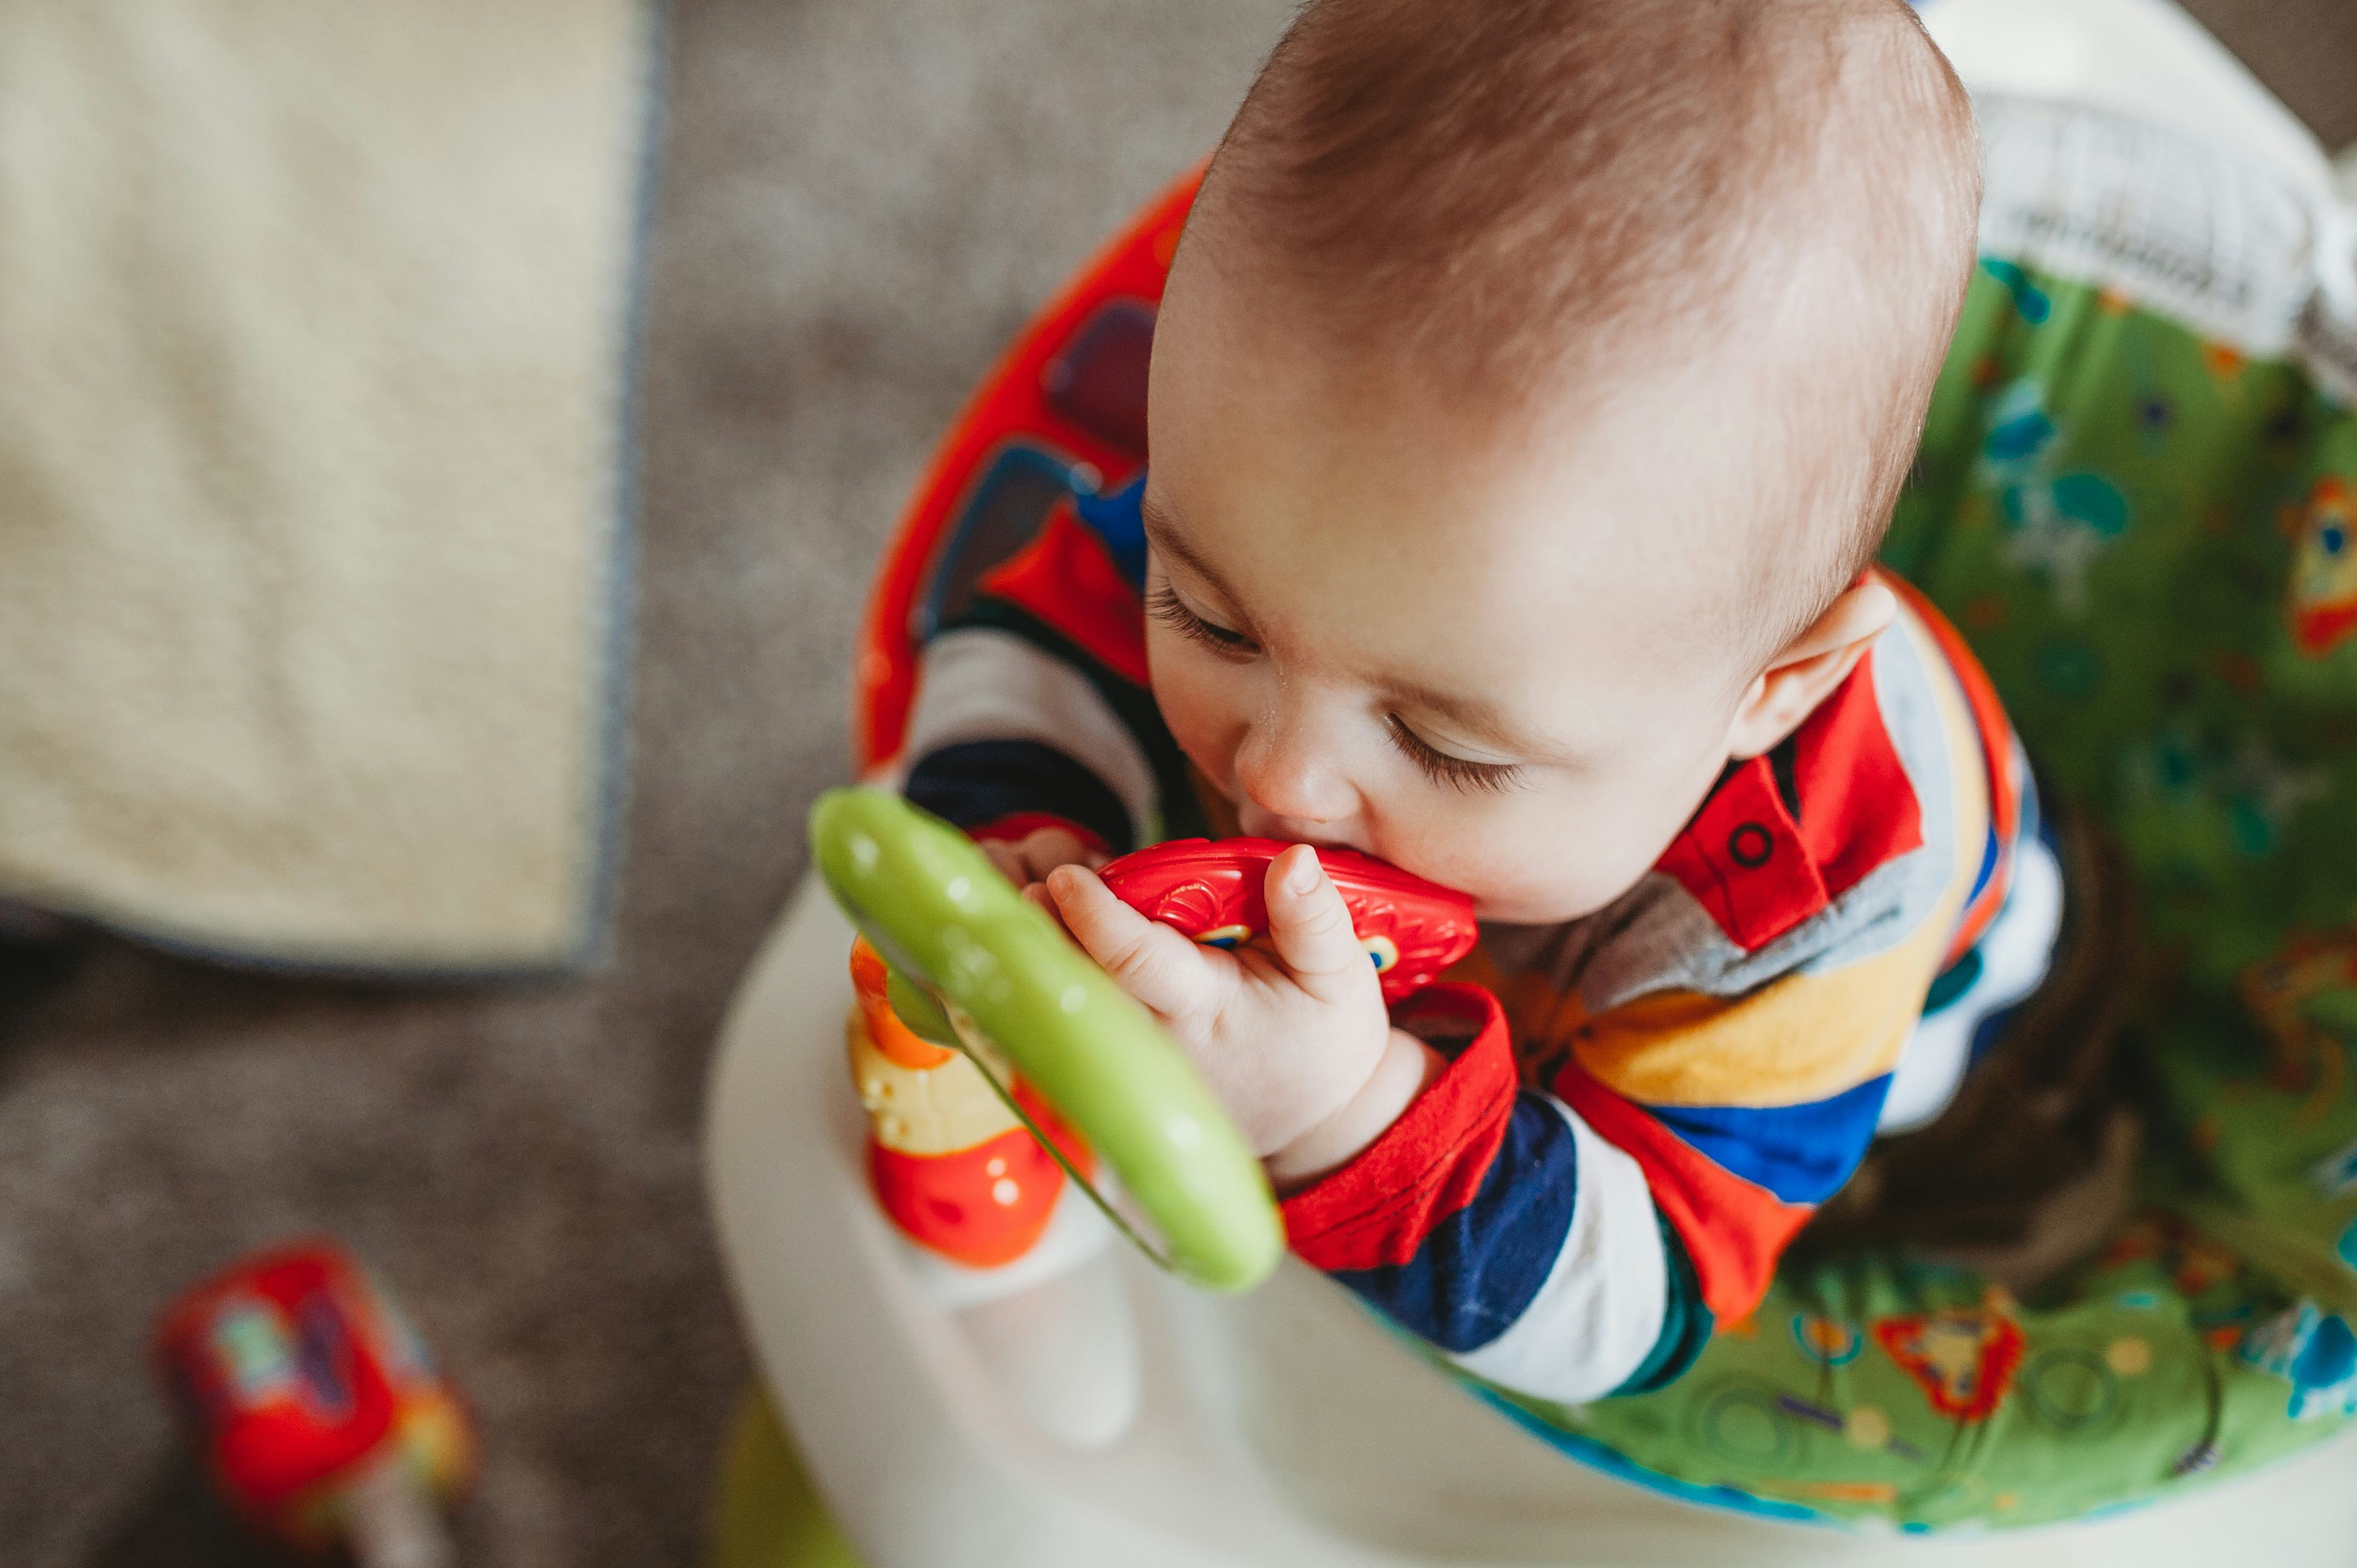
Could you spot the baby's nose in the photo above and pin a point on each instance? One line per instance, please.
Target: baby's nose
(1281, 771)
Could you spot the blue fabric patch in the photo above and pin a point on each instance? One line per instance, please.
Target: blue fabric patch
(1990, 849)
(1116, 517)
(1802, 1154)
(1482, 1266)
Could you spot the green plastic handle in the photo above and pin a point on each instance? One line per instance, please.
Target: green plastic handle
(942, 915)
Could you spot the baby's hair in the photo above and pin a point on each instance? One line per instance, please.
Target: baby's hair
(1513, 191)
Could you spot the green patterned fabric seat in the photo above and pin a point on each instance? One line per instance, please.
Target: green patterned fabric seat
(2137, 498)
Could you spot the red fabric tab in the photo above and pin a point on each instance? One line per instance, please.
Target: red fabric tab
(1377, 1211)
(1858, 810)
(1733, 1230)
(1743, 860)
(1019, 825)
(1068, 580)
(1756, 870)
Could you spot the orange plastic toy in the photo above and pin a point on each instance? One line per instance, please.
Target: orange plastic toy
(952, 1166)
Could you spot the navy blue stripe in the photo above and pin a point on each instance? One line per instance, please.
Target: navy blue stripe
(1481, 1268)
(1132, 705)
(977, 782)
(1991, 1028)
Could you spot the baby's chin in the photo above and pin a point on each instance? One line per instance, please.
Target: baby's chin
(1515, 909)
(1518, 902)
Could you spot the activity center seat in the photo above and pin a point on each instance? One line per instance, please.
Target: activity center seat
(2137, 498)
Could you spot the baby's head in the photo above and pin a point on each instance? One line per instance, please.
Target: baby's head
(1533, 387)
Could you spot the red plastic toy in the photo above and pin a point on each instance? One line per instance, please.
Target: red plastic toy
(1212, 891)
(319, 1416)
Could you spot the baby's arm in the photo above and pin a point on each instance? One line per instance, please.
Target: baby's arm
(1565, 1245)
(1487, 1221)
(1584, 1241)
(1495, 1223)
(1031, 729)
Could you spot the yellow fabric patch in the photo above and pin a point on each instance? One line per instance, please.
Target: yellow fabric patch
(1804, 1038)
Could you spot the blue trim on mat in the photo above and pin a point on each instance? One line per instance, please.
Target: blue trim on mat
(1598, 1454)
(595, 939)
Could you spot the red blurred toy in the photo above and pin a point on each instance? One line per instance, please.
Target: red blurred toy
(1211, 890)
(319, 1416)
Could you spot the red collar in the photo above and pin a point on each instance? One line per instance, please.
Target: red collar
(1761, 863)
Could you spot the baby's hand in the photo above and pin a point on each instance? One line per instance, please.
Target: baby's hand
(1031, 857)
(1295, 1042)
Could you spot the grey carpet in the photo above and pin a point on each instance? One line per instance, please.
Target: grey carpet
(861, 199)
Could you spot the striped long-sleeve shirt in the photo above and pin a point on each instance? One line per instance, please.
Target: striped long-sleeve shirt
(1640, 1107)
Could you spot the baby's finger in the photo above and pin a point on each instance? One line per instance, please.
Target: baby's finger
(1006, 859)
(1152, 963)
(1042, 851)
(1310, 927)
(1062, 846)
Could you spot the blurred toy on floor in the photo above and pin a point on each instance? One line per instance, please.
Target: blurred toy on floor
(319, 1417)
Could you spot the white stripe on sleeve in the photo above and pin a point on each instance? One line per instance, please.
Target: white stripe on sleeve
(1599, 1311)
(981, 683)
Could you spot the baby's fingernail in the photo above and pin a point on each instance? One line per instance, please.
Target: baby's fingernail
(1302, 877)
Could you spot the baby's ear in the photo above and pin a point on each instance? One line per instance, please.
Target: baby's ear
(1806, 671)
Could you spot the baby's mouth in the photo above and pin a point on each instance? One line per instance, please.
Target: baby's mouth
(1258, 823)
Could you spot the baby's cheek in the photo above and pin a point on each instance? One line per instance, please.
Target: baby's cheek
(1202, 710)
(1543, 863)
(1482, 847)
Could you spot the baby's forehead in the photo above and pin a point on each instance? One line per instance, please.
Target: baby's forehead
(1498, 200)
(1405, 543)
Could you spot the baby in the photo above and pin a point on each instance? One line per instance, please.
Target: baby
(1531, 391)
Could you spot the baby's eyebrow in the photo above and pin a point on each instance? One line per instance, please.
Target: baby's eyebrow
(1164, 535)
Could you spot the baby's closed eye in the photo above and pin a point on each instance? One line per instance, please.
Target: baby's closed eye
(1446, 767)
(1164, 605)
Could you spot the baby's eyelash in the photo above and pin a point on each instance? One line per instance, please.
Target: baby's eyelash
(1163, 605)
(1457, 772)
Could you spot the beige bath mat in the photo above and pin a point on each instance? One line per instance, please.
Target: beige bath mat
(314, 337)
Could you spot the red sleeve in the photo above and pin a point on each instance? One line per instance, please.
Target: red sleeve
(1377, 1210)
